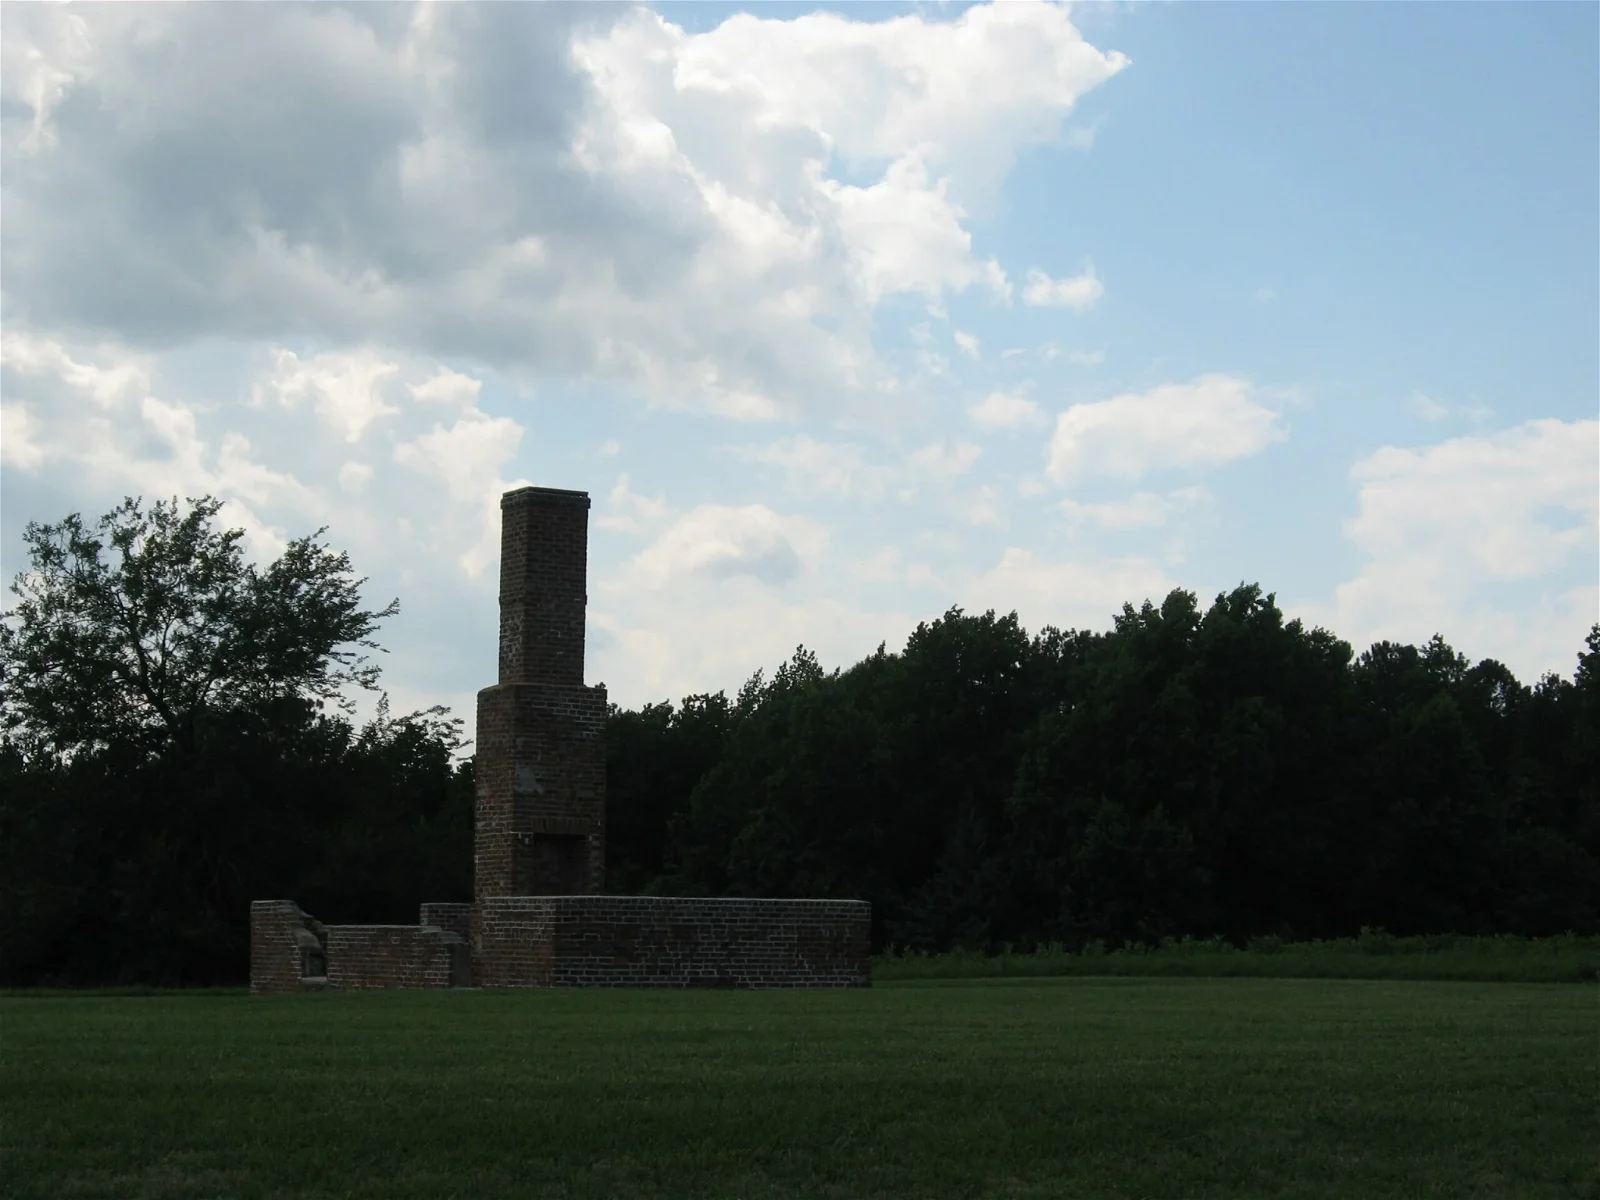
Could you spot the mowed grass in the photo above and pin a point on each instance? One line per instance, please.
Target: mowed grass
(1006, 1088)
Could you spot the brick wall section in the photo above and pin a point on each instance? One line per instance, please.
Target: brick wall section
(275, 946)
(540, 769)
(394, 956)
(511, 942)
(662, 941)
(353, 956)
(453, 918)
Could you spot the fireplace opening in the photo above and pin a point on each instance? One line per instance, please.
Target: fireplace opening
(551, 864)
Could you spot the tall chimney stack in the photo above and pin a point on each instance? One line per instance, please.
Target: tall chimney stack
(540, 763)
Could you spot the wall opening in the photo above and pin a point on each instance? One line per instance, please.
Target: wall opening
(460, 965)
(313, 958)
(551, 864)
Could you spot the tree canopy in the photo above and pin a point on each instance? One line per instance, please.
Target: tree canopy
(1192, 771)
(137, 628)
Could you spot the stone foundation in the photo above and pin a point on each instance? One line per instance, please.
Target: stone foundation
(670, 942)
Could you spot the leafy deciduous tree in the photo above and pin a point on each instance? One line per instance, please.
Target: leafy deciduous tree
(136, 628)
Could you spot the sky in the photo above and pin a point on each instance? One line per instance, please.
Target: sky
(842, 316)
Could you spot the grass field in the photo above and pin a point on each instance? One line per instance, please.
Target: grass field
(1006, 1088)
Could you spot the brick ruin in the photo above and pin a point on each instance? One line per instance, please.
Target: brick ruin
(538, 917)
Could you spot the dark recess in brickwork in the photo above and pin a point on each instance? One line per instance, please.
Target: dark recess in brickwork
(539, 838)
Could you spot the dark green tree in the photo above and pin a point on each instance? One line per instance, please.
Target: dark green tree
(655, 756)
(138, 628)
(1218, 771)
(177, 743)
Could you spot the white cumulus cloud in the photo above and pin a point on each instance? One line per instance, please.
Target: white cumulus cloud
(344, 389)
(631, 512)
(1213, 420)
(88, 423)
(944, 461)
(1078, 292)
(1508, 506)
(467, 457)
(1072, 594)
(446, 387)
(1449, 528)
(1139, 511)
(17, 445)
(719, 541)
(1006, 410)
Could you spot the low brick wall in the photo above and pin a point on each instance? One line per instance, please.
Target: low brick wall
(395, 956)
(284, 944)
(291, 951)
(569, 941)
(452, 918)
(668, 941)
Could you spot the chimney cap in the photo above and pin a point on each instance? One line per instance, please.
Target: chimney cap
(544, 493)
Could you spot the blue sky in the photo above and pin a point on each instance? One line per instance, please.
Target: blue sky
(842, 317)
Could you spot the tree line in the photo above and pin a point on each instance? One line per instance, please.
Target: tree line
(178, 741)
(1203, 772)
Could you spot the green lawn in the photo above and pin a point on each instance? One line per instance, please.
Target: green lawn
(1048, 1087)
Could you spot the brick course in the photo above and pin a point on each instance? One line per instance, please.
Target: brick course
(390, 956)
(455, 918)
(671, 942)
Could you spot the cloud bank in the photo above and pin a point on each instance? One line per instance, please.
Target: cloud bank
(544, 190)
